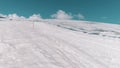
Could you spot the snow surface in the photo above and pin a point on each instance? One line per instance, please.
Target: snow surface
(59, 44)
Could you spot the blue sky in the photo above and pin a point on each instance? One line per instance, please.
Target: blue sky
(93, 10)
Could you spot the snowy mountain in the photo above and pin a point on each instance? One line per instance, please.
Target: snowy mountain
(59, 44)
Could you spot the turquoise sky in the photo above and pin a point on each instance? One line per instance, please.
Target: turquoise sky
(93, 10)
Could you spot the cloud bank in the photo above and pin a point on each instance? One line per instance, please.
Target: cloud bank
(62, 15)
(35, 17)
(67, 16)
(15, 17)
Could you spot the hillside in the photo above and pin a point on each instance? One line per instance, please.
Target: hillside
(59, 44)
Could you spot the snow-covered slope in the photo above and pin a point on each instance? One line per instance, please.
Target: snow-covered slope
(93, 28)
(59, 44)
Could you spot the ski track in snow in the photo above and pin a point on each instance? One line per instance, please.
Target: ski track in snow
(47, 45)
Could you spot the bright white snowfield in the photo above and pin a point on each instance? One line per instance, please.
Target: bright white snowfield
(59, 44)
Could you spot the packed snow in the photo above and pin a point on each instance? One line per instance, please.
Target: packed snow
(59, 44)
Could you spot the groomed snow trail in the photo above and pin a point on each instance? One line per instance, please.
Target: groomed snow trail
(27, 44)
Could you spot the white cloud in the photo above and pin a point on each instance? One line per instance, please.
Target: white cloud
(3, 16)
(62, 15)
(80, 16)
(35, 17)
(15, 17)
